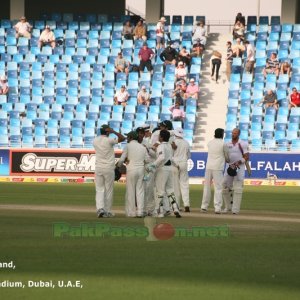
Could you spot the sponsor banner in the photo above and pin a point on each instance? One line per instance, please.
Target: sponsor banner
(4, 162)
(263, 165)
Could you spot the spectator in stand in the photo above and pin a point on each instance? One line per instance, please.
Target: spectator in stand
(3, 85)
(128, 31)
(197, 49)
(160, 33)
(239, 17)
(272, 65)
(285, 68)
(269, 100)
(238, 31)
(179, 92)
(121, 64)
(180, 72)
(294, 98)
(145, 56)
(177, 113)
(121, 96)
(184, 56)
(229, 59)
(140, 31)
(199, 32)
(143, 96)
(169, 55)
(47, 37)
(23, 28)
(250, 57)
(215, 62)
(238, 49)
(192, 90)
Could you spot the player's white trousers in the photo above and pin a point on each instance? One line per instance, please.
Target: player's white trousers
(217, 177)
(134, 192)
(104, 183)
(181, 183)
(149, 193)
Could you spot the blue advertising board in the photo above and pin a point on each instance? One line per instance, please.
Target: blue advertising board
(4, 162)
(283, 165)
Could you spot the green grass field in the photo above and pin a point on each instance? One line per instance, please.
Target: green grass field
(259, 259)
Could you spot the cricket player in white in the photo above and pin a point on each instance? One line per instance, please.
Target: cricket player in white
(164, 176)
(136, 155)
(104, 171)
(233, 185)
(217, 155)
(180, 158)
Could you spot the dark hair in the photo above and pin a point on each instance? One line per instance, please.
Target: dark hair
(229, 43)
(219, 133)
(165, 135)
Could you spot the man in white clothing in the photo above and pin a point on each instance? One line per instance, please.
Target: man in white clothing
(104, 171)
(47, 37)
(250, 60)
(136, 156)
(179, 165)
(217, 155)
(234, 176)
(164, 176)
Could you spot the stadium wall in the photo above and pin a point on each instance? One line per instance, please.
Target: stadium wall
(79, 163)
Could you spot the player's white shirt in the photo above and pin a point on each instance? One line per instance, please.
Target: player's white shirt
(155, 137)
(182, 152)
(136, 154)
(216, 155)
(235, 153)
(105, 154)
(147, 144)
(164, 154)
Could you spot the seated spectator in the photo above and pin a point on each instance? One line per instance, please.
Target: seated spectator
(177, 113)
(47, 37)
(23, 28)
(128, 31)
(184, 56)
(169, 55)
(3, 85)
(121, 64)
(197, 49)
(143, 96)
(269, 100)
(238, 49)
(145, 56)
(178, 94)
(238, 31)
(272, 65)
(294, 98)
(140, 31)
(285, 68)
(121, 96)
(160, 33)
(199, 32)
(180, 72)
(192, 90)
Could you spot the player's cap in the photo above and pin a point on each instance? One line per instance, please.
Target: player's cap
(166, 123)
(3, 77)
(178, 132)
(133, 135)
(197, 40)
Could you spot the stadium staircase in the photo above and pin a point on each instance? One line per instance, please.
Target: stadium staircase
(212, 106)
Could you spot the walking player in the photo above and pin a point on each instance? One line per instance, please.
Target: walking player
(104, 171)
(217, 155)
(235, 172)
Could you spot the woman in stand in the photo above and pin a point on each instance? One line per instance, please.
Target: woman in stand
(215, 62)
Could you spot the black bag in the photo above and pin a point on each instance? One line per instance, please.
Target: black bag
(231, 170)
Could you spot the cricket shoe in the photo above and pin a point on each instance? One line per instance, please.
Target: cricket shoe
(187, 209)
(161, 216)
(101, 213)
(203, 210)
(109, 215)
(167, 213)
(177, 214)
